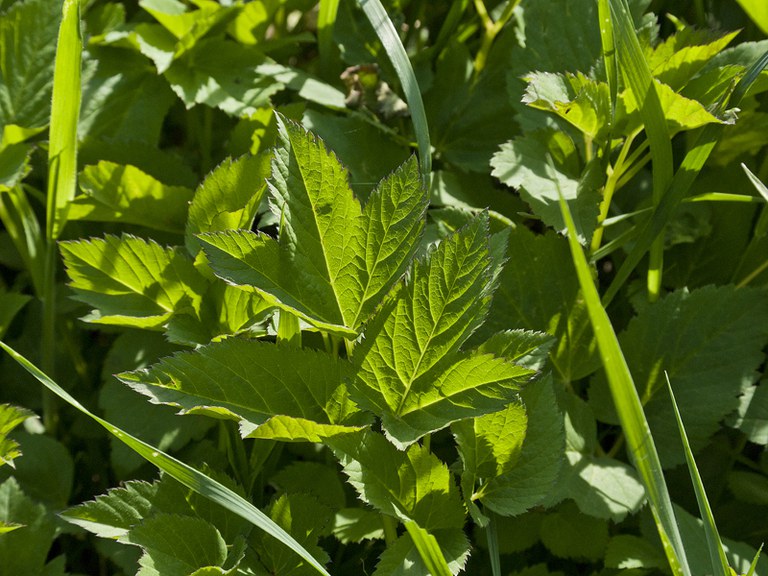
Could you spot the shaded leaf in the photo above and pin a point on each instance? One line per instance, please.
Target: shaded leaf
(410, 485)
(568, 533)
(402, 558)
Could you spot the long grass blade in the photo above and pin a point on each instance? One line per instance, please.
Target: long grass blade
(429, 550)
(761, 188)
(394, 48)
(692, 164)
(191, 478)
(714, 544)
(492, 535)
(640, 82)
(630, 410)
(753, 566)
(65, 111)
(326, 20)
(609, 52)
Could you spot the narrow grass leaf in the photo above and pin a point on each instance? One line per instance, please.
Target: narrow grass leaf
(640, 442)
(692, 164)
(394, 48)
(714, 544)
(428, 549)
(756, 182)
(65, 111)
(188, 476)
(753, 566)
(642, 88)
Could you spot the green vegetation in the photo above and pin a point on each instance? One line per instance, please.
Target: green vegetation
(383, 287)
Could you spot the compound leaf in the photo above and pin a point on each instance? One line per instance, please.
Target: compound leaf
(298, 394)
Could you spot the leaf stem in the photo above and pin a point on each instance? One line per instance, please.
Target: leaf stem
(48, 341)
(390, 529)
(492, 30)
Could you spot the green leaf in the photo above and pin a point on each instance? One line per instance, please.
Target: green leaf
(65, 111)
(409, 370)
(626, 551)
(409, 485)
(282, 392)
(186, 475)
(719, 564)
(568, 533)
(228, 198)
(752, 415)
(304, 518)
(757, 11)
(11, 304)
(160, 537)
(357, 524)
(132, 282)
(543, 165)
(14, 163)
(710, 343)
(395, 50)
(601, 487)
(526, 482)
(538, 291)
(114, 193)
(25, 549)
(27, 42)
(334, 261)
(113, 514)
(403, 559)
(749, 487)
(583, 102)
(317, 480)
(634, 424)
(10, 418)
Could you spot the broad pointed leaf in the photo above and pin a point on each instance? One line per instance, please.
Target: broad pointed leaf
(409, 371)
(228, 197)
(132, 282)
(410, 485)
(255, 383)
(333, 262)
(115, 193)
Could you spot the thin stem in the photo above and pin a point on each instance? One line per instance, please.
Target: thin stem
(492, 29)
(48, 342)
(390, 529)
(752, 275)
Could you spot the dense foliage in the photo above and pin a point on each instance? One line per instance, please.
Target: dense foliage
(255, 272)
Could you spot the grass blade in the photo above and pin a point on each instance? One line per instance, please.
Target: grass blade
(428, 549)
(692, 164)
(633, 422)
(643, 87)
(65, 111)
(394, 48)
(326, 20)
(753, 566)
(714, 544)
(609, 52)
(492, 535)
(190, 477)
(761, 188)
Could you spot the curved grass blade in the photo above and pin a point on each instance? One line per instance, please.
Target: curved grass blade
(191, 478)
(643, 88)
(714, 544)
(753, 566)
(633, 422)
(65, 111)
(692, 164)
(429, 550)
(394, 48)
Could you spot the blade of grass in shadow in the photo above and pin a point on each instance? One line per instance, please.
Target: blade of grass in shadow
(609, 53)
(643, 88)
(492, 535)
(326, 20)
(756, 182)
(629, 408)
(692, 164)
(714, 544)
(62, 175)
(190, 477)
(394, 48)
(429, 550)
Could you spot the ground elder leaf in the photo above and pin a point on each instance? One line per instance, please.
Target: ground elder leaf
(402, 558)
(710, 342)
(10, 418)
(301, 388)
(544, 165)
(334, 261)
(130, 281)
(409, 485)
(410, 372)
